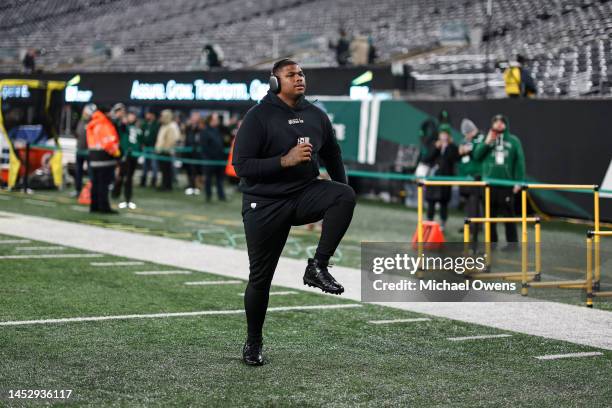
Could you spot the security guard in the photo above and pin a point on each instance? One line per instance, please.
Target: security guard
(103, 145)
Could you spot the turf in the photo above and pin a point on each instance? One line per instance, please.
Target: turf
(316, 358)
(175, 215)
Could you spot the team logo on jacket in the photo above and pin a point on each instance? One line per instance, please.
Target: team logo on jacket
(295, 121)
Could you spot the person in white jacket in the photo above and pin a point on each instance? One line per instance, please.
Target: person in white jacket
(168, 136)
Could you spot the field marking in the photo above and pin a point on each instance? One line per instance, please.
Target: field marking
(278, 293)
(150, 273)
(416, 319)
(216, 282)
(5, 198)
(40, 203)
(486, 336)
(79, 208)
(569, 355)
(120, 263)
(179, 314)
(41, 248)
(15, 241)
(39, 256)
(143, 217)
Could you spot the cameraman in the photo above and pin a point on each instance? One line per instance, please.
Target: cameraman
(502, 157)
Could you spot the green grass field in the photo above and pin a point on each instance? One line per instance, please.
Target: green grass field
(316, 357)
(176, 215)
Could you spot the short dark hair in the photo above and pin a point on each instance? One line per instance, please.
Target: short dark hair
(104, 108)
(282, 63)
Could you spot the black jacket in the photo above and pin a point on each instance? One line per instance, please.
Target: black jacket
(211, 141)
(444, 162)
(269, 130)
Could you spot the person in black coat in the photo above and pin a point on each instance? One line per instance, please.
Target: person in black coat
(442, 158)
(211, 141)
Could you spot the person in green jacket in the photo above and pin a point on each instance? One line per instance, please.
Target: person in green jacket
(129, 144)
(469, 167)
(150, 128)
(502, 157)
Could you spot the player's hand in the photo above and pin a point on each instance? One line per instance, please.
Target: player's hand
(298, 154)
(491, 137)
(516, 189)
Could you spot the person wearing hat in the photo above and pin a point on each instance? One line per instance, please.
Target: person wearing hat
(502, 157)
(81, 154)
(443, 157)
(470, 168)
(103, 145)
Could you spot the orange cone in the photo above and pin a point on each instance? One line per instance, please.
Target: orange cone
(431, 233)
(85, 196)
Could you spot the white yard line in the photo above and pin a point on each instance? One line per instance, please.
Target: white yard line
(576, 324)
(41, 248)
(120, 263)
(569, 355)
(416, 319)
(151, 273)
(143, 217)
(215, 282)
(40, 203)
(39, 256)
(79, 208)
(483, 337)
(179, 314)
(4, 198)
(15, 241)
(278, 293)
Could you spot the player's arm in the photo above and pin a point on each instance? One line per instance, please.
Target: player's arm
(249, 140)
(331, 154)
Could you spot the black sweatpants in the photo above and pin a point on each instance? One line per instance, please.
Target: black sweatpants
(473, 208)
(502, 205)
(267, 222)
(126, 174)
(166, 168)
(101, 178)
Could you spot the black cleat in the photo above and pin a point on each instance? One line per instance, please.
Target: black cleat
(318, 276)
(252, 354)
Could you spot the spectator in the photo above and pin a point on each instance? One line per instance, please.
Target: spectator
(81, 154)
(212, 149)
(150, 127)
(213, 58)
(518, 79)
(502, 157)
(372, 55)
(29, 61)
(192, 142)
(442, 158)
(167, 138)
(129, 143)
(359, 50)
(103, 145)
(528, 88)
(342, 49)
(470, 167)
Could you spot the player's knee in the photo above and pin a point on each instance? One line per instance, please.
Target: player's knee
(347, 194)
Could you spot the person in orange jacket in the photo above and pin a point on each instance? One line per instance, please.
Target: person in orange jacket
(103, 145)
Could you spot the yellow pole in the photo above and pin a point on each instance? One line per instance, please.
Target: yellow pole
(596, 211)
(466, 232)
(524, 215)
(420, 212)
(487, 213)
(589, 274)
(538, 264)
(597, 264)
(524, 269)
